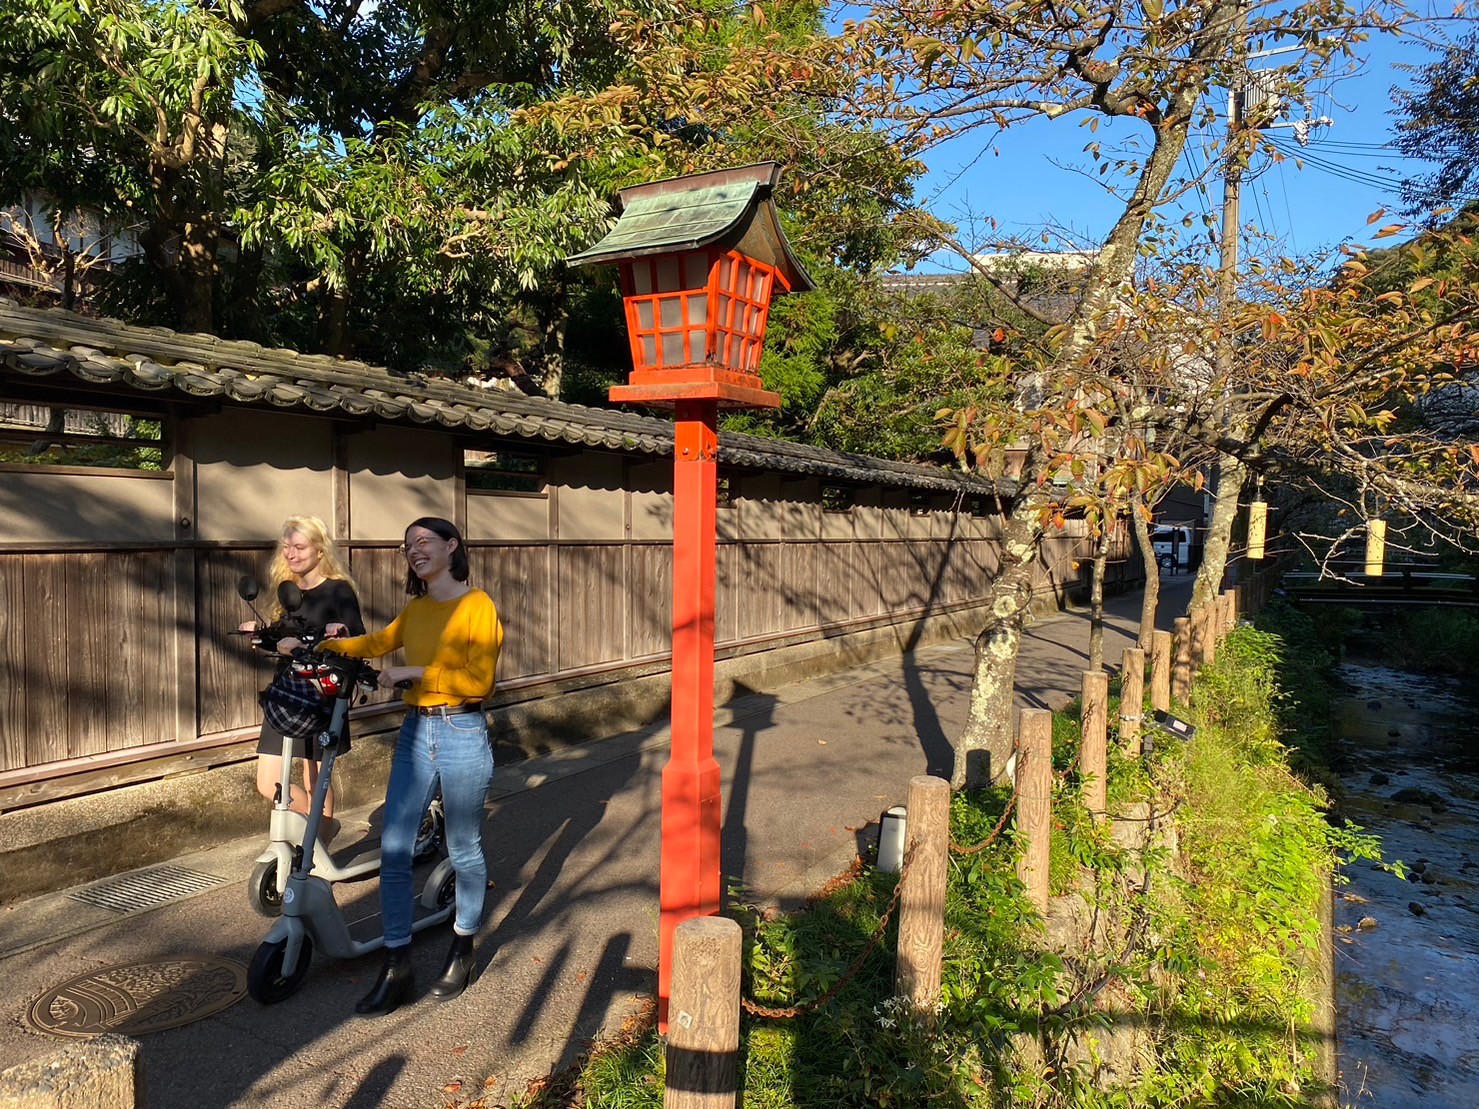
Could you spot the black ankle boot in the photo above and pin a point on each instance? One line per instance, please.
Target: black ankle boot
(457, 974)
(394, 986)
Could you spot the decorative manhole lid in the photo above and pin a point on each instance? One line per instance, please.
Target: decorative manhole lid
(137, 998)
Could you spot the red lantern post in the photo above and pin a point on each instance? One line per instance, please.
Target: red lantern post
(701, 258)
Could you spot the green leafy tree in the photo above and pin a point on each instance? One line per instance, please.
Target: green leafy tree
(1438, 122)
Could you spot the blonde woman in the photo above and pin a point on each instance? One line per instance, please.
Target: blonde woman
(306, 557)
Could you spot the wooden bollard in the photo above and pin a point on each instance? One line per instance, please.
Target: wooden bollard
(704, 1016)
(1132, 699)
(1181, 660)
(1093, 750)
(922, 900)
(1160, 671)
(1035, 802)
(1204, 636)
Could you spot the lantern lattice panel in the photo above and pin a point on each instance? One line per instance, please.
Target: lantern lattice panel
(668, 301)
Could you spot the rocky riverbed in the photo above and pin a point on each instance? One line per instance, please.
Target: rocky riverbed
(1407, 948)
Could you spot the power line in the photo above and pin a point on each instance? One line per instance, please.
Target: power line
(1336, 169)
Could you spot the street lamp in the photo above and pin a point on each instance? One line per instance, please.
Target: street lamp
(701, 257)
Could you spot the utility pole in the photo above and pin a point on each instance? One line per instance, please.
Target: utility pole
(1231, 473)
(1264, 105)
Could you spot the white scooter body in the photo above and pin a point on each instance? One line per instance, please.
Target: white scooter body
(310, 915)
(286, 829)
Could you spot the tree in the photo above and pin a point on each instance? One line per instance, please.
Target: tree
(1438, 121)
(403, 181)
(127, 107)
(938, 73)
(1351, 381)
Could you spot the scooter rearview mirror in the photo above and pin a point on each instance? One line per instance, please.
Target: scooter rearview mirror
(247, 588)
(289, 596)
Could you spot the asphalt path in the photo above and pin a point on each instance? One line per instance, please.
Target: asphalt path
(568, 949)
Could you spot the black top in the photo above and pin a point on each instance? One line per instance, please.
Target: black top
(331, 601)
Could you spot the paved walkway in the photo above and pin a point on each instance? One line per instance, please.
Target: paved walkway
(571, 933)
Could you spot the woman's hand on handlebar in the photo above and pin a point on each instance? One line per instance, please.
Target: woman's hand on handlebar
(400, 677)
(335, 631)
(247, 627)
(289, 645)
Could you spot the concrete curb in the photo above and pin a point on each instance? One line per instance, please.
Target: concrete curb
(97, 1074)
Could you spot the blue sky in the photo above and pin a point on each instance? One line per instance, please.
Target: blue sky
(1322, 204)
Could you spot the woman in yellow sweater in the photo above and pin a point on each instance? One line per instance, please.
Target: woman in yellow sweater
(451, 636)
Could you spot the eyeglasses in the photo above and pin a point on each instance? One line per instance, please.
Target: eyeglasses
(422, 544)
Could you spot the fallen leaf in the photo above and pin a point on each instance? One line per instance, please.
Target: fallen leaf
(452, 1087)
(821, 743)
(461, 1049)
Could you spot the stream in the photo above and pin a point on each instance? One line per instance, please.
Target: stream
(1407, 950)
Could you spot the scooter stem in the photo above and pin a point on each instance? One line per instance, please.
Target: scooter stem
(330, 748)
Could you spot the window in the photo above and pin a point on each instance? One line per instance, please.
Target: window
(838, 498)
(50, 435)
(503, 472)
(724, 494)
(919, 504)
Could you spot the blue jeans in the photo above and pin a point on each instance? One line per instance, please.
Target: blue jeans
(455, 751)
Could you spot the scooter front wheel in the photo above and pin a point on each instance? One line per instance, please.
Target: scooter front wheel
(263, 891)
(265, 980)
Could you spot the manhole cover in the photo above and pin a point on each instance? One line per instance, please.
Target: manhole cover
(138, 997)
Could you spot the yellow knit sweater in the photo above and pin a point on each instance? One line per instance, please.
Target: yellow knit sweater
(457, 641)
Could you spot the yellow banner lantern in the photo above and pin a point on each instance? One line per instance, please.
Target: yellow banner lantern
(1257, 528)
(1376, 547)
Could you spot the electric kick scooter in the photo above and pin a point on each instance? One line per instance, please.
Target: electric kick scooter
(286, 829)
(310, 917)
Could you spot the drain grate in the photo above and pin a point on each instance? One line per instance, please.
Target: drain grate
(146, 889)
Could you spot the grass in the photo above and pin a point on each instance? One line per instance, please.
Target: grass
(1198, 989)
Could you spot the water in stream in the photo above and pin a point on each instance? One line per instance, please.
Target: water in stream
(1407, 950)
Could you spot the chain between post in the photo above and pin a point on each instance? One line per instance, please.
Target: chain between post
(755, 1009)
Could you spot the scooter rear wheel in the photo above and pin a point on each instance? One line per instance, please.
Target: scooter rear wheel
(265, 980)
(431, 837)
(263, 891)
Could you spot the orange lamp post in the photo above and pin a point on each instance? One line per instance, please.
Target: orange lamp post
(701, 257)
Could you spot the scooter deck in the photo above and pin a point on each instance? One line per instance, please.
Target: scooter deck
(361, 904)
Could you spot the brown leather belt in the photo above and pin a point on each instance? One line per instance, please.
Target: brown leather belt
(447, 710)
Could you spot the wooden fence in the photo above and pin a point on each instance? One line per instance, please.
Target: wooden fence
(113, 656)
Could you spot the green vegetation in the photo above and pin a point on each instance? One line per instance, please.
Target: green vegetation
(1200, 986)
(1435, 641)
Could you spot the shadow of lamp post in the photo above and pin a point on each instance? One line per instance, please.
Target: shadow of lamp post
(701, 257)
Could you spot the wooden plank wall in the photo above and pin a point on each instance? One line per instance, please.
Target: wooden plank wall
(568, 608)
(84, 662)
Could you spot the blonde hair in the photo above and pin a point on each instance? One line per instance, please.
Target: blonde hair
(316, 532)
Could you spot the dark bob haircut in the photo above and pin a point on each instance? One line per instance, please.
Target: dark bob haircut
(447, 530)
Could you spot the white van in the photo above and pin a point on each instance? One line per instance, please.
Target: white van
(1172, 546)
